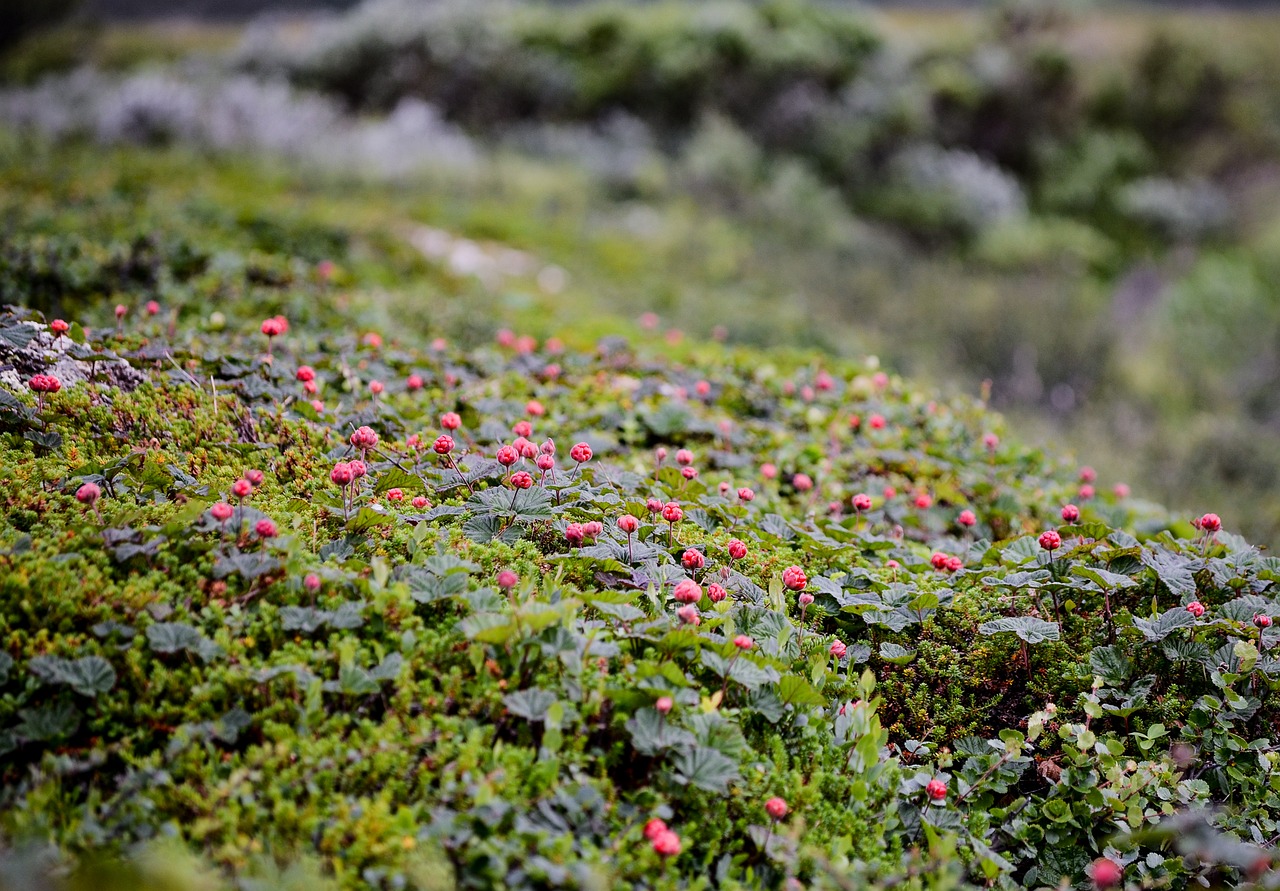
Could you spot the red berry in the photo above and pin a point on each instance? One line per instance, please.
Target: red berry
(743, 642)
(395, 495)
(1070, 513)
(716, 593)
(1050, 540)
(672, 512)
(450, 420)
(580, 453)
(341, 473)
(654, 828)
(737, 548)
(838, 649)
(1196, 608)
(443, 444)
(242, 488)
(687, 591)
(802, 482)
(628, 524)
(364, 438)
(938, 560)
(1210, 522)
(254, 476)
(1106, 873)
(664, 704)
(924, 500)
(666, 843)
(358, 469)
(522, 479)
(937, 789)
(265, 528)
(420, 502)
(1262, 620)
(794, 578)
(58, 326)
(861, 502)
(746, 494)
(414, 382)
(876, 422)
(88, 493)
(966, 518)
(305, 373)
(508, 455)
(545, 462)
(522, 429)
(689, 473)
(222, 511)
(776, 808)
(508, 579)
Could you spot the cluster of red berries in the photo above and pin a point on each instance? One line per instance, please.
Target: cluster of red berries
(942, 562)
(44, 383)
(275, 326)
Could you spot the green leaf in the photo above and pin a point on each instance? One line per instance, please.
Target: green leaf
(531, 704)
(1028, 628)
(1165, 624)
(795, 690)
(88, 676)
(1111, 664)
(56, 720)
(652, 733)
(898, 655)
(1172, 569)
(706, 769)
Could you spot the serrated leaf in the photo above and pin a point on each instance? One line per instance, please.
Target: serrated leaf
(531, 704)
(1166, 623)
(895, 653)
(795, 690)
(651, 733)
(706, 769)
(1172, 569)
(1028, 628)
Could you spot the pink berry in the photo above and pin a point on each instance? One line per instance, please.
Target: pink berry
(272, 327)
(861, 502)
(938, 560)
(395, 495)
(522, 429)
(1050, 540)
(414, 382)
(967, 518)
(672, 512)
(628, 524)
(805, 599)
(737, 548)
(1106, 873)
(724, 489)
(88, 493)
(121, 309)
(364, 438)
(574, 534)
(443, 444)
(373, 339)
(58, 326)
(937, 789)
(1196, 608)
(654, 828)
(266, 528)
(305, 373)
(890, 493)
(794, 578)
(687, 591)
(1262, 620)
(1088, 475)
(666, 843)
(317, 406)
(684, 457)
(743, 642)
(876, 422)
(221, 511)
(534, 407)
(838, 649)
(242, 488)
(593, 529)
(522, 479)
(1210, 522)
(954, 564)
(991, 441)
(688, 615)
(450, 420)
(254, 476)
(358, 469)
(802, 482)
(776, 808)
(664, 704)
(1070, 513)
(580, 453)
(508, 455)
(1121, 490)
(420, 502)
(746, 494)
(653, 505)
(507, 579)
(769, 471)
(924, 500)
(311, 582)
(341, 473)
(545, 462)
(1086, 492)
(716, 593)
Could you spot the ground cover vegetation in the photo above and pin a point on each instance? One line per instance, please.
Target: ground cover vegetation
(306, 597)
(347, 541)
